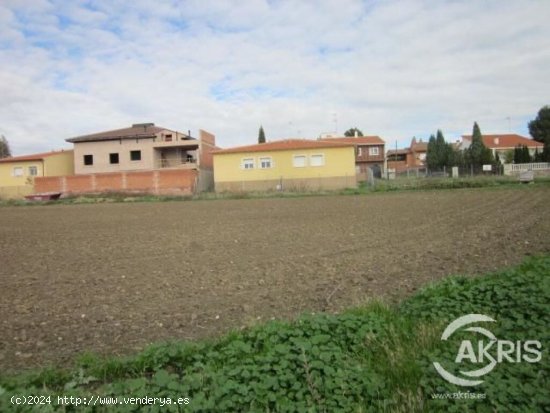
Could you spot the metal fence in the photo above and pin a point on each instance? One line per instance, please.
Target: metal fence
(453, 172)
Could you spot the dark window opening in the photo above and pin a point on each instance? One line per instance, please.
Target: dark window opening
(135, 155)
(113, 158)
(168, 138)
(88, 160)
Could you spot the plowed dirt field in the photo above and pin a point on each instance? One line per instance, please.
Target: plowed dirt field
(111, 278)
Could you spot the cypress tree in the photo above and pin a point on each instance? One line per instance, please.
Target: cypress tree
(261, 135)
(5, 150)
(431, 154)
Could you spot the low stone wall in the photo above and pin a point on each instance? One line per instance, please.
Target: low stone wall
(166, 182)
(539, 169)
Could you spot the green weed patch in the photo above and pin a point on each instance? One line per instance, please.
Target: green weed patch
(371, 359)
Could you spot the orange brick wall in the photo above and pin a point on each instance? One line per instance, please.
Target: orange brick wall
(104, 182)
(77, 183)
(139, 181)
(207, 145)
(48, 184)
(181, 181)
(174, 179)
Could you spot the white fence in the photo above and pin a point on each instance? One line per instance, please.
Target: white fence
(514, 169)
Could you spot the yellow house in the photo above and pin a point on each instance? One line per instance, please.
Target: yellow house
(294, 164)
(17, 173)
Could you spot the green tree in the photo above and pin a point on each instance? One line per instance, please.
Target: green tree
(522, 155)
(539, 128)
(478, 154)
(261, 135)
(509, 157)
(5, 150)
(457, 157)
(445, 151)
(537, 156)
(518, 154)
(432, 160)
(545, 156)
(440, 154)
(526, 155)
(353, 132)
(487, 157)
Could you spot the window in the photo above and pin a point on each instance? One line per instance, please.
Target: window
(135, 155)
(18, 171)
(359, 151)
(88, 160)
(265, 163)
(374, 151)
(248, 163)
(168, 138)
(317, 160)
(299, 161)
(33, 171)
(113, 158)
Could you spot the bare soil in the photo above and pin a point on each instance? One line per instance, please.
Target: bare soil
(112, 278)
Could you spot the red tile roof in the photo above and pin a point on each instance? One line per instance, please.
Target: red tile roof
(359, 140)
(34, 157)
(283, 145)
(506, 141)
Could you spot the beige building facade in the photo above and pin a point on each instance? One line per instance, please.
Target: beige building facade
(141, 147)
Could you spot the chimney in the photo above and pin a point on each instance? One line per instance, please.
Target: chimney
(356, 134)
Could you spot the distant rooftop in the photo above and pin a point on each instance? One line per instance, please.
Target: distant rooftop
(508, 140)
(137, 130)
(286, 144)
(356, 140)
(33, 157)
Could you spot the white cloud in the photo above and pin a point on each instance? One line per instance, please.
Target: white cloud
(395, 68)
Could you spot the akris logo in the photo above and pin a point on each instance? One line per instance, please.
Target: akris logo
(487, 351)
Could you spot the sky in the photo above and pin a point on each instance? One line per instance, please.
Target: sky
(396, 69)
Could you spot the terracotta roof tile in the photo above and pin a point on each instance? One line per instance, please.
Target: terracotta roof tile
(359, 140)
(33, 157)
(282, 145)
(506, 141)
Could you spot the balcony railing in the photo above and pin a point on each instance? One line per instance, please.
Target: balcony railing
(176, 163)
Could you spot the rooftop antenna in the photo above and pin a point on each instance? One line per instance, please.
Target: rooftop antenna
(509, 123)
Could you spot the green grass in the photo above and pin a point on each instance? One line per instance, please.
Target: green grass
(380, 186)
(423, 184)
(376, 358)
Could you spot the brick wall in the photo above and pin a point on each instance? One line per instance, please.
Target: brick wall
(173, 181)
(207, 145)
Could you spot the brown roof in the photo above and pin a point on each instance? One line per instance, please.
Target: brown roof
(138, 130)
(419, 146)
(359, 140)
(33, 157)
(510, 140)
(397, 152)
(283, 145)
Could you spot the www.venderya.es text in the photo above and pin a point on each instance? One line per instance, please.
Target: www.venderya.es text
(98, 400)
